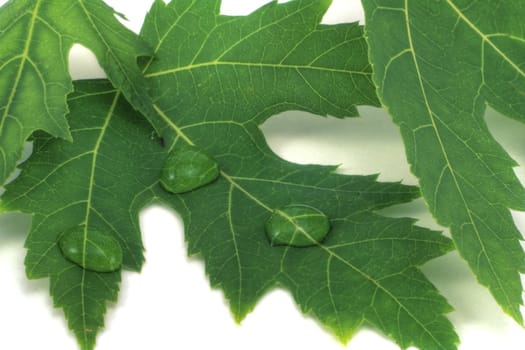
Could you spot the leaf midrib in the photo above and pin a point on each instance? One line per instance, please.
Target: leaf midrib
(217, 63)
(89, 208)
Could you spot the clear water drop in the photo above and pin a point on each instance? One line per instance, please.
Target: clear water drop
(91, 249)
(297, 225)
(187, 168)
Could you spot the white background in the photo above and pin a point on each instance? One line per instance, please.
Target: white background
(170, 304)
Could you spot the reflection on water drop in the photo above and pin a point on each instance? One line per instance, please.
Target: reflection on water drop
(92, 249)
(297, 225)
(188, 168)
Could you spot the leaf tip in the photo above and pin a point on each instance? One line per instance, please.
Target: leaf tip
(238, 319)
(85, 342)
(515, 312)
(344, 336)
(240, 312)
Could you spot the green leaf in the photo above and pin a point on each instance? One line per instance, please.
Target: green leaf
(357, 262)
(366, 271)
(100, 181)
(36, 37)
(297, 225)
(91, 249)
(213, 87)
(368, 262)
(221, 62)
(188, 168)
(436, 72)
(372, 258)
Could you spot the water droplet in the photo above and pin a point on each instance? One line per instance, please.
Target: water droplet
(92, 249)
(188, 168)
(297, 225)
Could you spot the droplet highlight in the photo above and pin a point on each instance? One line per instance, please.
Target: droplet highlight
(187, 168)
(91, 249)
(297, 225)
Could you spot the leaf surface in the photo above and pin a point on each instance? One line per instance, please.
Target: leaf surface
(100, 181)
(365, 271)
(221, 62)
(212, 89)
(213, 85)
(36, 36)
(436, 81)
